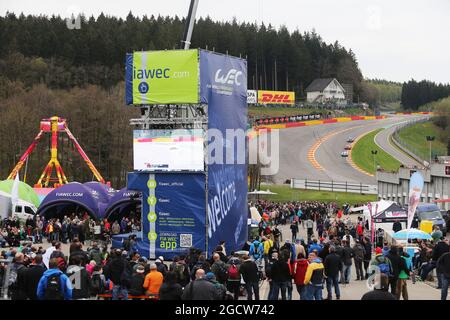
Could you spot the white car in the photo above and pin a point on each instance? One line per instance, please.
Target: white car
(344, 154)
(350, 139)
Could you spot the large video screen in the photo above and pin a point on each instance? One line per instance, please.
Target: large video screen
(168, 150)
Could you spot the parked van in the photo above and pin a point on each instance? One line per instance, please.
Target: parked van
(431, 212)
(22, 210)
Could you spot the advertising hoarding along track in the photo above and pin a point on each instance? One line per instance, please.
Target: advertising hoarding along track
(276, 97)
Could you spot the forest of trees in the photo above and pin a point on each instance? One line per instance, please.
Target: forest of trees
(40, 49)
(381, 92)
(416, 94)
(47, 69)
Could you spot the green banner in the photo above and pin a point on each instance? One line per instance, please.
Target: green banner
(164, 77)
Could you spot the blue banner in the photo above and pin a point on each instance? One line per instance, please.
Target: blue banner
(173, 212)
(223, 86)
(129, 78)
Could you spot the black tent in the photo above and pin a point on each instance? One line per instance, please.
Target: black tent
(391, 214)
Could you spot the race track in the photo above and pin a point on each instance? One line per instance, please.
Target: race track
(326, 142)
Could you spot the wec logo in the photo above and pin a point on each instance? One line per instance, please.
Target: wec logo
(232, 77)
(268, 97)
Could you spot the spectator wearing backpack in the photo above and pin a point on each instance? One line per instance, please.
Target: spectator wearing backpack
(118, 271)
(182, 271)
(249, 272)
(153, 280)
(381, 262)
(234, 276)
(257, 251)
(221, 291)
(220, 269)
(32, 276)
(396, 263)
(82, 280)
(16, 281)
(314, 277)
(98, 282)
(54, 284)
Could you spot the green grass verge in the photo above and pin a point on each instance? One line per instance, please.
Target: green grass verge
(285, 194)
(363, 158)
(415, 137)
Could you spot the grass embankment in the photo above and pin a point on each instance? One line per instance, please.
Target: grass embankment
(415, 137)
(363, 158)
(285, 194)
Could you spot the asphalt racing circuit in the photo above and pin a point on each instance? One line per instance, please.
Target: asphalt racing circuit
(314, 152)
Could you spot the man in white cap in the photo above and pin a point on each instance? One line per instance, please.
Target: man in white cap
(161, 267)
(137, 282)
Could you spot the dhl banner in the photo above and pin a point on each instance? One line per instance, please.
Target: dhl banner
(276, 97)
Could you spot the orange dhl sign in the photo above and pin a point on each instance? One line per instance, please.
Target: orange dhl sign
(276, 97)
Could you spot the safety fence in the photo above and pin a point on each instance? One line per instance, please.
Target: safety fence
(338, 186)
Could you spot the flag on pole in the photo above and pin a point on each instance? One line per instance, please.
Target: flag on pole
(415, 190)
(15, 191)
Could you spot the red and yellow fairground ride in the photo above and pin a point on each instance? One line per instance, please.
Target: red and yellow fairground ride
(54, 125)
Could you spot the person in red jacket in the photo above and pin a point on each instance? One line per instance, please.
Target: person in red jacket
(299, 275)
(360, 230)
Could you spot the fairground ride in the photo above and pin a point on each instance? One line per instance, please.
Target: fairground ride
(54, 125)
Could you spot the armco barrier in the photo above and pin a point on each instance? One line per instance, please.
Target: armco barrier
(338, 186)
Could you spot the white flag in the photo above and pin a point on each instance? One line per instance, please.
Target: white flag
(15, 191)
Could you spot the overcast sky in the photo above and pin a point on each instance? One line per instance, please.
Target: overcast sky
(392, 39)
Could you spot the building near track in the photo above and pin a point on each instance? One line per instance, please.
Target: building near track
(395, 185)
(325, 90)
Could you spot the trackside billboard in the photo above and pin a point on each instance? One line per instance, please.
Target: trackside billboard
(162, 77)
(276, 97)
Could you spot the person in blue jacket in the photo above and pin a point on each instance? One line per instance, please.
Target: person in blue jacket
(315, 246)
(47, 291)
(257, 251)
